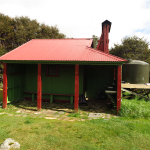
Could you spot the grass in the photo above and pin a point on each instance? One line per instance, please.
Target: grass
(135, 108)
(39, 133)
(78, 115)
(128, 132)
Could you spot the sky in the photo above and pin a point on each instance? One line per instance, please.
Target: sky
(83, 18)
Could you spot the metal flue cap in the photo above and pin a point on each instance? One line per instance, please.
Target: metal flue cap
(106, 22)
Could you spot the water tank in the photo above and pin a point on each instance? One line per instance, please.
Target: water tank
(135, 72)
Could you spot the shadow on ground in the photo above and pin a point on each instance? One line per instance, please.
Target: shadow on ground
(94, 106)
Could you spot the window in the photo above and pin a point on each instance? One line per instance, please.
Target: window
(52, 70)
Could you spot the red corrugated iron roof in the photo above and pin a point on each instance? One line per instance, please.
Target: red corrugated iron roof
(59, 50)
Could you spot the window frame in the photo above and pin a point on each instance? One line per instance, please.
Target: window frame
(56, 72)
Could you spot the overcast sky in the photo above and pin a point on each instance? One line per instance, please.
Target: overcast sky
(83, 18)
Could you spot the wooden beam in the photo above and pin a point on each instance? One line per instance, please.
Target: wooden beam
(118, 88)
(135, 86)
(39, 88)
(114, 73)
(76, 98)
(135, 93)
(5, 86)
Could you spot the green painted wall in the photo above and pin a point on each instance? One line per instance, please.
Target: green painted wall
(63, 84)
(15, 78)
(96, 79)
(30, 78)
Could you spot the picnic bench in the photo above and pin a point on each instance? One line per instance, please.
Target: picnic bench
(51, 96)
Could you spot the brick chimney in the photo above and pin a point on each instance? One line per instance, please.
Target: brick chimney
(104, 41)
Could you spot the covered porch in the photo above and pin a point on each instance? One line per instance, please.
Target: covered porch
(31, 82)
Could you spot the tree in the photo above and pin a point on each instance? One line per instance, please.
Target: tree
(132, 48)
(95, 41)
(6, 32)
(19, 30)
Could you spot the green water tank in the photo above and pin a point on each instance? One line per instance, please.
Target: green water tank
(135, 72)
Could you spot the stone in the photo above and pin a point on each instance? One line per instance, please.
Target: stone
(56, 116)
(95, 115)
(50, 118)
(10, 114)
(9, 143)
(28, 111)
(2, 113)
(18, 111)
(18, 115)
(66, 114)
(61, 112)
(63, 109)
(37, 113)
(65, 118)
(49, 112)
(108, 116)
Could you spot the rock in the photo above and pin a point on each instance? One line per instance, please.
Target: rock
(50, 118)
(65, 118)
(95, 115)
(28, 111)
(37, 113)
(10, 114)
(61, 112)
(56, 116)
(1, 113)
(18, 115)
(108, 116)
(49, 112)
(18, 111)
(63, 109)
(9, 143)
(66, 114)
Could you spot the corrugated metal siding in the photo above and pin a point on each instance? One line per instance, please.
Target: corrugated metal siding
(59, 50)
(64, 84)
(15, 81)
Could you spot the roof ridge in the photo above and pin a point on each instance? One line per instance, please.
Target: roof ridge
(67, 39)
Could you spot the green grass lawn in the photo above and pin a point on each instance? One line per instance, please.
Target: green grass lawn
(129, 132)
(42, 134)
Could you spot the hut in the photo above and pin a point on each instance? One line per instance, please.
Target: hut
(60, 70)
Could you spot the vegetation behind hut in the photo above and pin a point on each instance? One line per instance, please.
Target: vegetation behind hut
(19, 30)
(132, 48)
